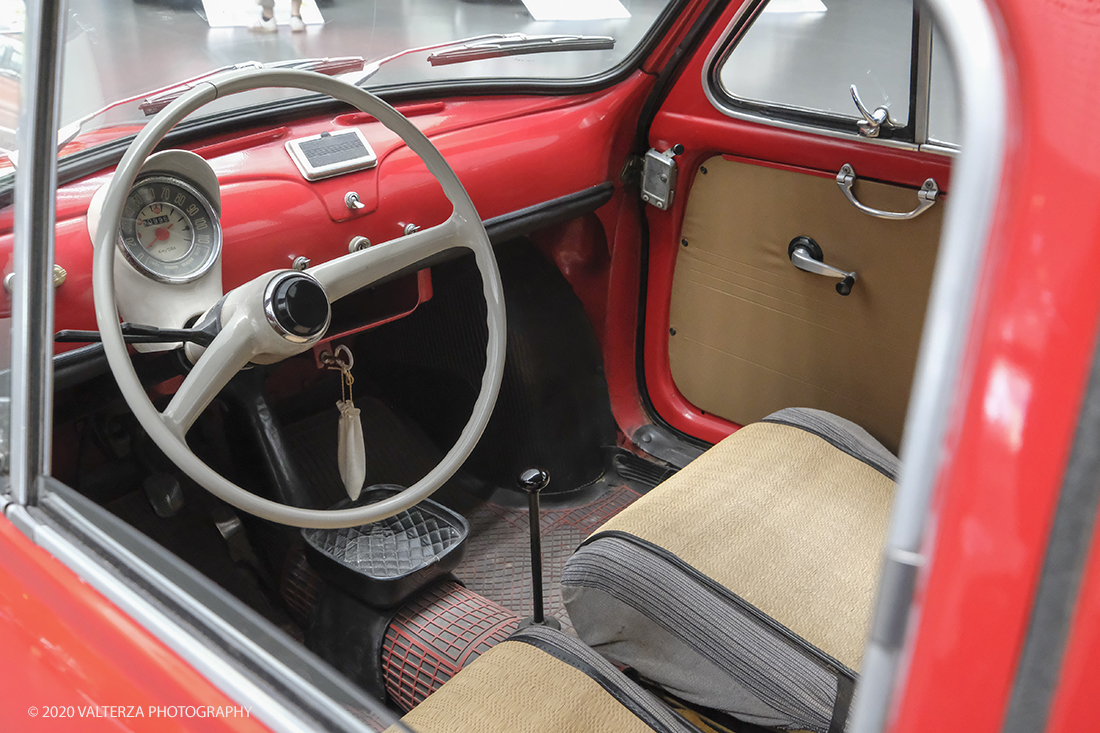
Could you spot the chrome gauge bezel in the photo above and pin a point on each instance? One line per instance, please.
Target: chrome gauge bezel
(202, 255)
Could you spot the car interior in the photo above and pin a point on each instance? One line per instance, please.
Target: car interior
(362, 345)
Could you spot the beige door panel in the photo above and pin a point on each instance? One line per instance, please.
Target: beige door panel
(753, 334)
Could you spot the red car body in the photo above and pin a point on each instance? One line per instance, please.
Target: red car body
(1038, 314)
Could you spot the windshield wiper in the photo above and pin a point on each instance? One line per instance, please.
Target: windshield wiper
(156, 101)
(515, 44)
(492, 45)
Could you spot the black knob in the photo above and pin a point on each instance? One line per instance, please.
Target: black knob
(533, 480)
(300, 306)
(844, 287)
(809, 246)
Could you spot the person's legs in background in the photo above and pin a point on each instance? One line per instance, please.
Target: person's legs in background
(296, 23)
(266, 22)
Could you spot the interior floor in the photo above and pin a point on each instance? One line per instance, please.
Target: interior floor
(497, 559)
(192, 534)
(497, 562)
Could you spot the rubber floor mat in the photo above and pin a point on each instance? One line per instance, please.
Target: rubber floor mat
(498, 553)
(497, 561)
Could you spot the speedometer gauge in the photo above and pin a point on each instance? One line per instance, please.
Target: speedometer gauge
(169, 231)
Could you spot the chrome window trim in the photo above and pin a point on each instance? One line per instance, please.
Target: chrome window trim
(728, 111)
(922, 77)
(940, 148)
(974, 47)
(33, 249)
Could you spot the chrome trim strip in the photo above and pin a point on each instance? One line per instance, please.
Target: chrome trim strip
(972, 42)
(35, 219)
(20, 516)
(922, 94)
(934, 146)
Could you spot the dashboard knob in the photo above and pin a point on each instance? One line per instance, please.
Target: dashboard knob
(298, 305)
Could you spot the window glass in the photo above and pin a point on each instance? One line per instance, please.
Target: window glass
(943, 112)
(806, 53)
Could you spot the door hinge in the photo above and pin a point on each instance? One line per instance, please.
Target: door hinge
(632, 170)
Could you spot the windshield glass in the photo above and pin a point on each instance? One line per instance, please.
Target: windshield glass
(116, 50)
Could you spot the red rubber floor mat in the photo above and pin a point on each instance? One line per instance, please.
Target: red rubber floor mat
(436, 635)
(498, 553)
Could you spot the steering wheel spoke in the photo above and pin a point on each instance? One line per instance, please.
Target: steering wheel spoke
(349, 273)
(230, 352)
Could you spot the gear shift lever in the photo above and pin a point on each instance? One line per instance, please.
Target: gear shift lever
(534, 480)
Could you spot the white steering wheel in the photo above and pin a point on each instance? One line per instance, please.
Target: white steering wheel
(254, 330)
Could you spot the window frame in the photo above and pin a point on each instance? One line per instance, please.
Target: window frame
(912, 136)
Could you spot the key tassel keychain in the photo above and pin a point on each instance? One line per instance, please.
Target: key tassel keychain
(351, 451)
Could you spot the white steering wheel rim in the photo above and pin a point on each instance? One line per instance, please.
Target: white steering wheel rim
(464, 220)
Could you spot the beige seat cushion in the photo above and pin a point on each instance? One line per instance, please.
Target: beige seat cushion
(745, 582)
(534, 683)
(791, 524)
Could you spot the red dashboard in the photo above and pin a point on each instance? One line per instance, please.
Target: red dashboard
(272, 215)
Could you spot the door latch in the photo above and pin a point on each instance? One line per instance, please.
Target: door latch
(659, 177)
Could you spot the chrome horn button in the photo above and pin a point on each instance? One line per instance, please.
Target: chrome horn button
(297, 307)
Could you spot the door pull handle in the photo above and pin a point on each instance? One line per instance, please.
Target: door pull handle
(926, 196)
(807, 256)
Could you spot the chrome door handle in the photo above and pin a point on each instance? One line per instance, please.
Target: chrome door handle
(807, 256)
(926, 196)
